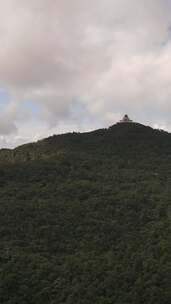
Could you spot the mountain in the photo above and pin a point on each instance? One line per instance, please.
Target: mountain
(86, 218)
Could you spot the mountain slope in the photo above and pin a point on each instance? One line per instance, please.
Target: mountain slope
(86, 218)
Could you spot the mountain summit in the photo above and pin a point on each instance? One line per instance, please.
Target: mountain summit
(85, 218)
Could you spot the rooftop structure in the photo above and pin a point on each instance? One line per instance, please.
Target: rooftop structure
(125, 119)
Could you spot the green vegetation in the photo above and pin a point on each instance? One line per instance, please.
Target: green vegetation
(86, 218)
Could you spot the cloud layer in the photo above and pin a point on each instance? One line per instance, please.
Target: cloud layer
(80, 64)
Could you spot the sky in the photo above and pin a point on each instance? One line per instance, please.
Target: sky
(80, 65)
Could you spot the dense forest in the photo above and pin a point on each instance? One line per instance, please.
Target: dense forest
(85, 218)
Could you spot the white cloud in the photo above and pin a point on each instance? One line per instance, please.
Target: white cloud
(110, 56)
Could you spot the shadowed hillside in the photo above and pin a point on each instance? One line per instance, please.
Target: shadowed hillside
(112, 141)
(86, 218)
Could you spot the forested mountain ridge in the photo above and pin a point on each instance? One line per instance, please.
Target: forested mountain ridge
(102, 141)
(86, 218)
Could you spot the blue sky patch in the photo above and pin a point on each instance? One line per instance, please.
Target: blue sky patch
(4, 98)
(31, 107)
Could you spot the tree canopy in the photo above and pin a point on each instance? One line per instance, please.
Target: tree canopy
(86, 218)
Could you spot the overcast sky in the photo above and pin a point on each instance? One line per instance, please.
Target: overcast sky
(79, 65)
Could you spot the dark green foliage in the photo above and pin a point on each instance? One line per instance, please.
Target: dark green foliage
(86, 219)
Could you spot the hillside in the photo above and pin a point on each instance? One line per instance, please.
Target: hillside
(86, 218)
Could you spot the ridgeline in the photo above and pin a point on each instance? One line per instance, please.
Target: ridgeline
(85, 218)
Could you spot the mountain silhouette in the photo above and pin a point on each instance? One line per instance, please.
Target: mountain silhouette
(85, 218)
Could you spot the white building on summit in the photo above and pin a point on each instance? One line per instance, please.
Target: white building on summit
(125, 119)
